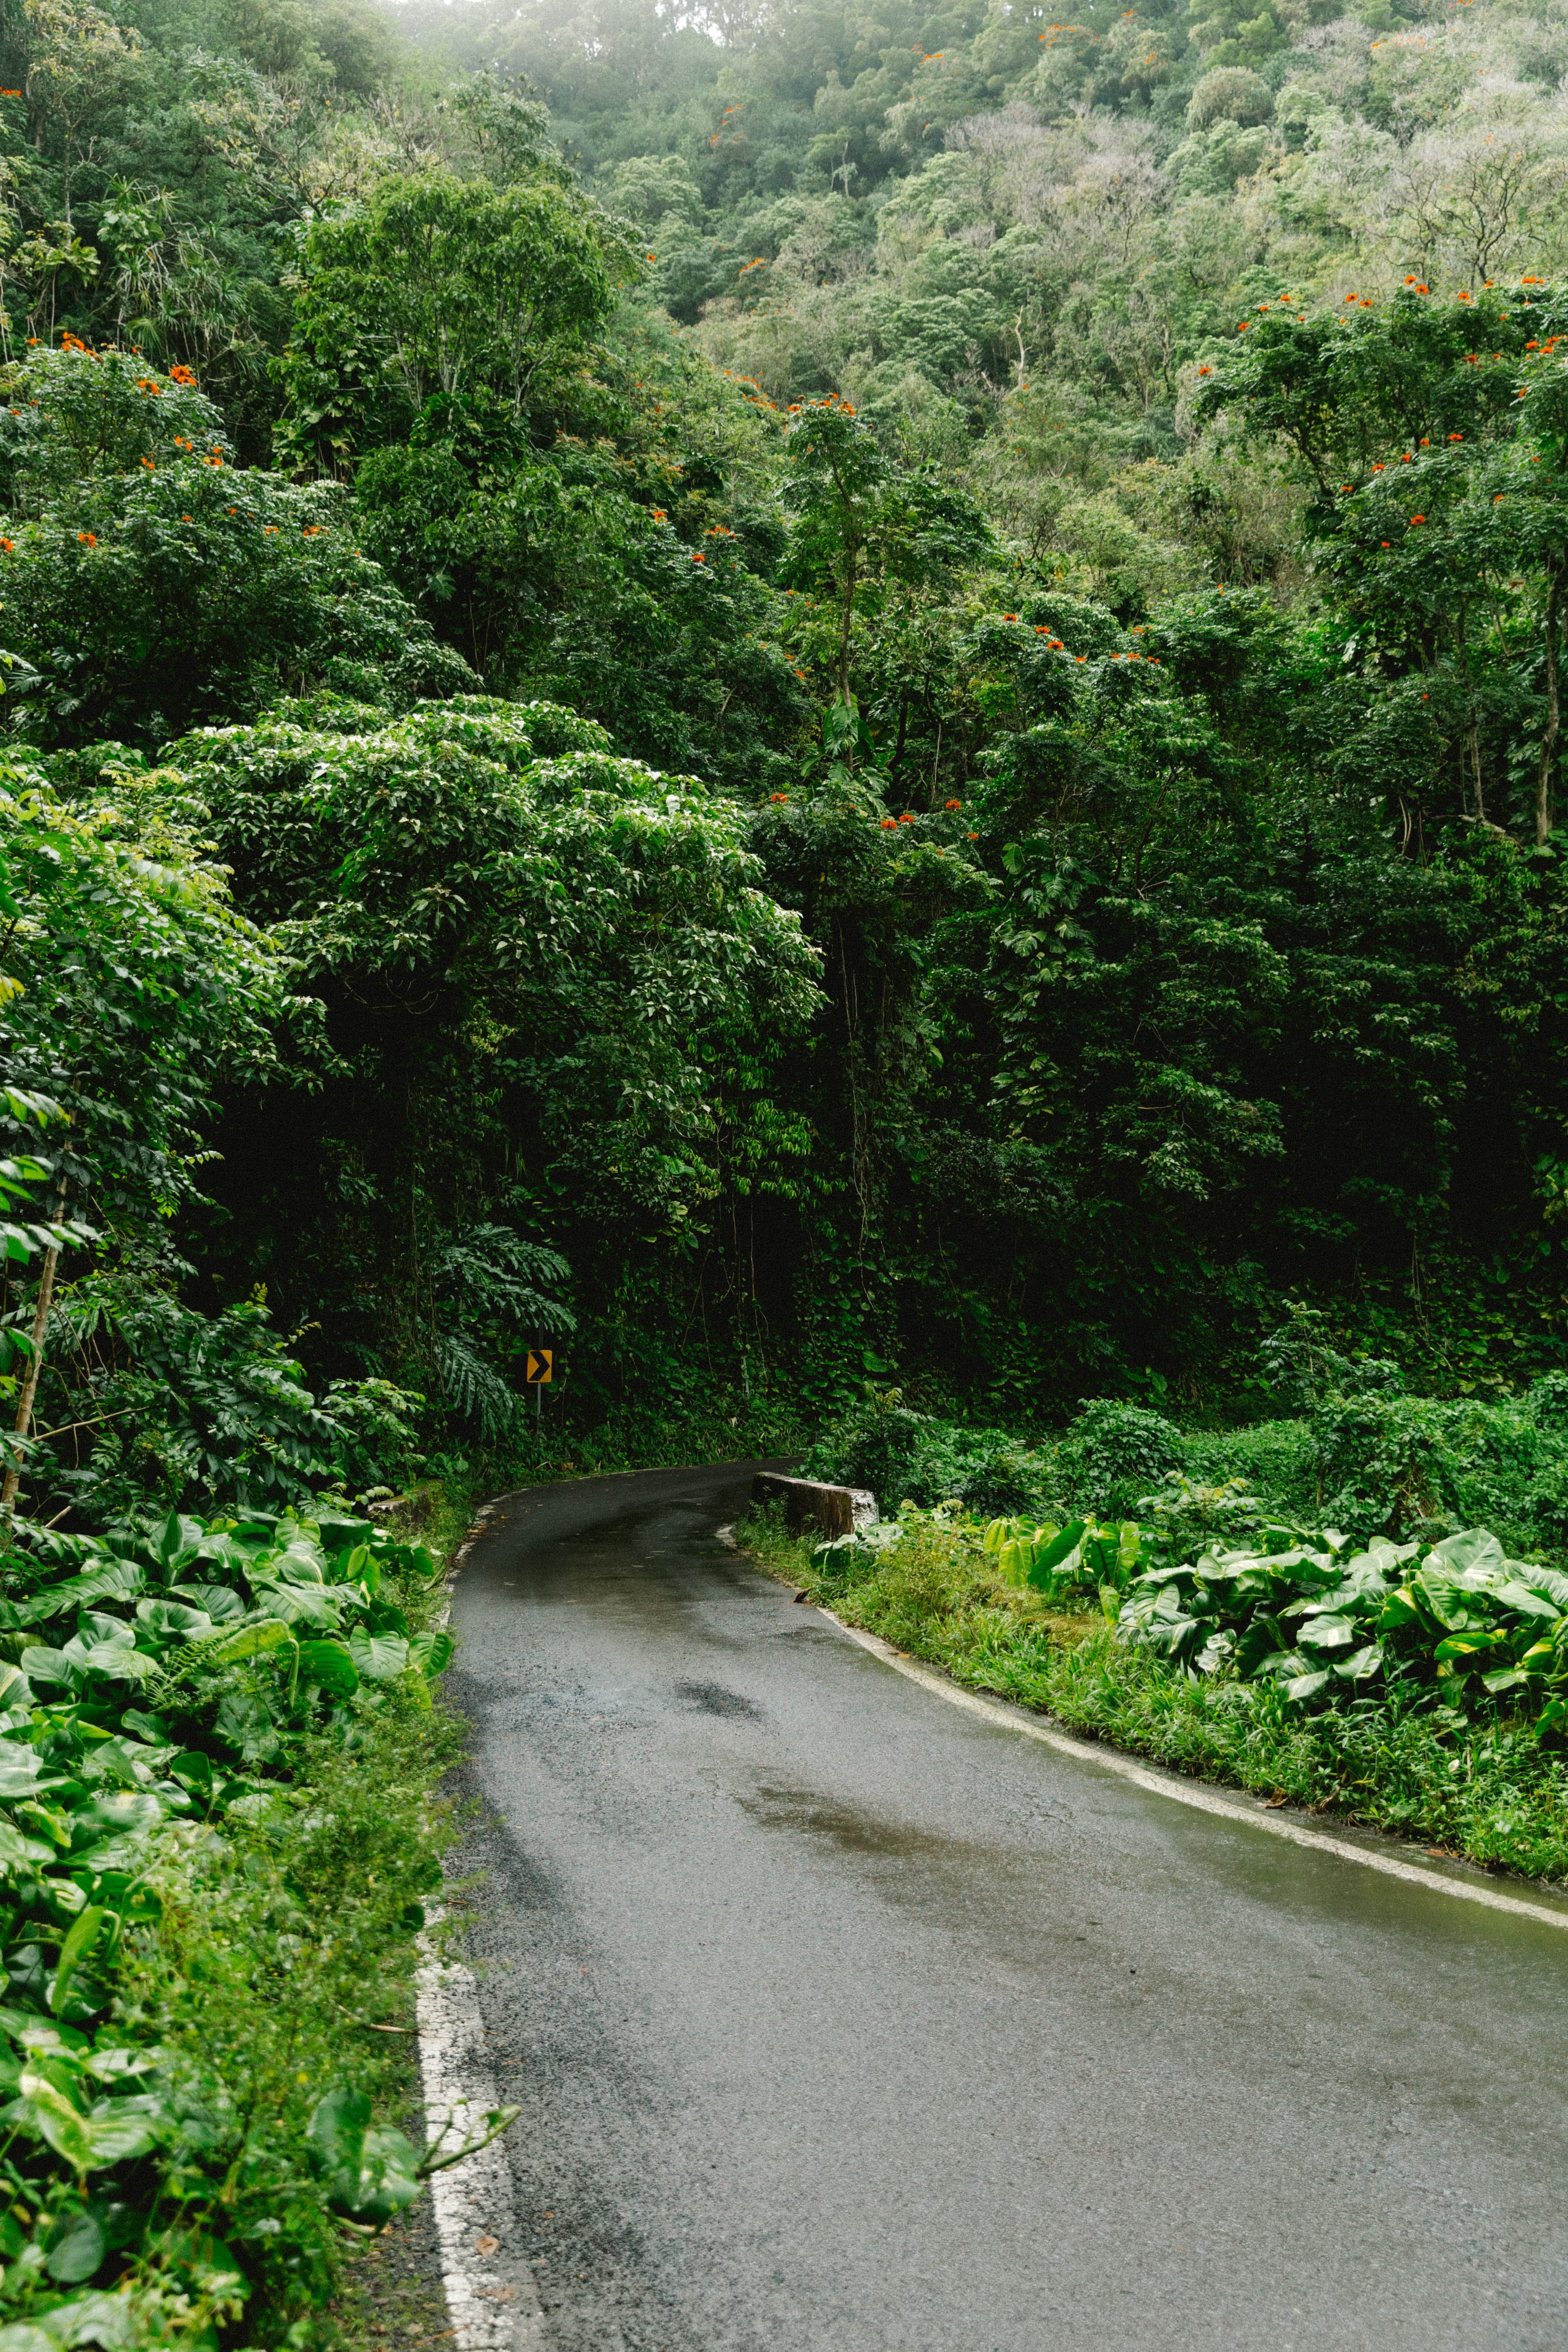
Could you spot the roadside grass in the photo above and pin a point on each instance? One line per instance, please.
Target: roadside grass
(1487, 1791)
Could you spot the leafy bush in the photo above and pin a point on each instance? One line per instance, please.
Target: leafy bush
(157, 1689)
(903, 1455)
(155, 1404)
(1113, 1453)
(1399, 1760)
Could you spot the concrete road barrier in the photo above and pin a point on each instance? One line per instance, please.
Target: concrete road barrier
(832, 1510)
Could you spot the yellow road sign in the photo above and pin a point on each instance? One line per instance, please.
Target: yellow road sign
(540, 1367)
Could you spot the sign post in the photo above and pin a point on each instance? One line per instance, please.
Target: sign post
(540, 1372)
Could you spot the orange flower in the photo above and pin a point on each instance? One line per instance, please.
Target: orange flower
(1081, 656)
(8, 545)
(971, 837)
(696, 558)
(88, 538)
(953, 805)
(182, 376)
(1456, 437)
(658, 515)
(1009, 616)
(148, 463)
(890, 824)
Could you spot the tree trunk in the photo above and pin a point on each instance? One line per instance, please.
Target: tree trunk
(35, 1363)
(850, 575)
(1554, 719)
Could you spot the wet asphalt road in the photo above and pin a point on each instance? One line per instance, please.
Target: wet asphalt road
(842, 2021)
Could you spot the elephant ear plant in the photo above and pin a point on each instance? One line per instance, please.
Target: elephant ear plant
(153, 1688)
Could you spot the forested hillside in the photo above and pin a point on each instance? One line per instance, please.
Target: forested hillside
(856, 721)
(775, 699)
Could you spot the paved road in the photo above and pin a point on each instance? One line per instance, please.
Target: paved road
(843, 2021)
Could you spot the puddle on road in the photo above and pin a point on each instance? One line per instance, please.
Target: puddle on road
(712, 1699)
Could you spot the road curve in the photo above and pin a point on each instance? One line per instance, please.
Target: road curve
(842, 2021)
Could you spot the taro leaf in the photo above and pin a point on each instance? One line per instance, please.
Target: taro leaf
(328, 1665)
(75, 2248)
(1460, 1647)
(1528, 1603)
(111, 2321)
(193, 1771)
(41, 1665)
(307, 1604)
(209, 2257)
(1328, 1633)
(118, 1662)
(368, 2175)
(431, 1652)
(44, 2110)
(124, 1812)
(1043, 1562)
(341, 1535)
(173, 1617)
(178, 1539)
(1548, 1582)
(122, 2129)
(85, 1931)
(219, 1601)
(380, 1657)
(21, 2337)
(20, 1768)
(246, 1641)
(1506, 1678)
(299, 1564)
(1308, 1685)
(15, 1848)
(1367, 1661)
(1476, 1550)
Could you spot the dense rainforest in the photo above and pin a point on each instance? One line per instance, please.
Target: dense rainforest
(849, 720)
(777, 699)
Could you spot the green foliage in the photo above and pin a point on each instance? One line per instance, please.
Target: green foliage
(152, 1402)
(566, 956)
(1488, 1787)
(439, 297)
(123, 485)
(903, 1455)
(164, 1684)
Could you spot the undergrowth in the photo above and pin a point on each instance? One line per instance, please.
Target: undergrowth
(1488, 1790)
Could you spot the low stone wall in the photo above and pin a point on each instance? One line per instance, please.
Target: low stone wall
(829, 1510)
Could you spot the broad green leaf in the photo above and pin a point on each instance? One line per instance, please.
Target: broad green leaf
(328, 1665)
(1329, 1633)
(75, 2249)
(41, 1665)
(431, 1652)
(45, 2110)
(20, 1768)
(1053, 1554)
(85, 1931)
(380, 1657)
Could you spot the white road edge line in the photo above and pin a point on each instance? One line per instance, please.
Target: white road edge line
(1195, 1793)
(492, 2298)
